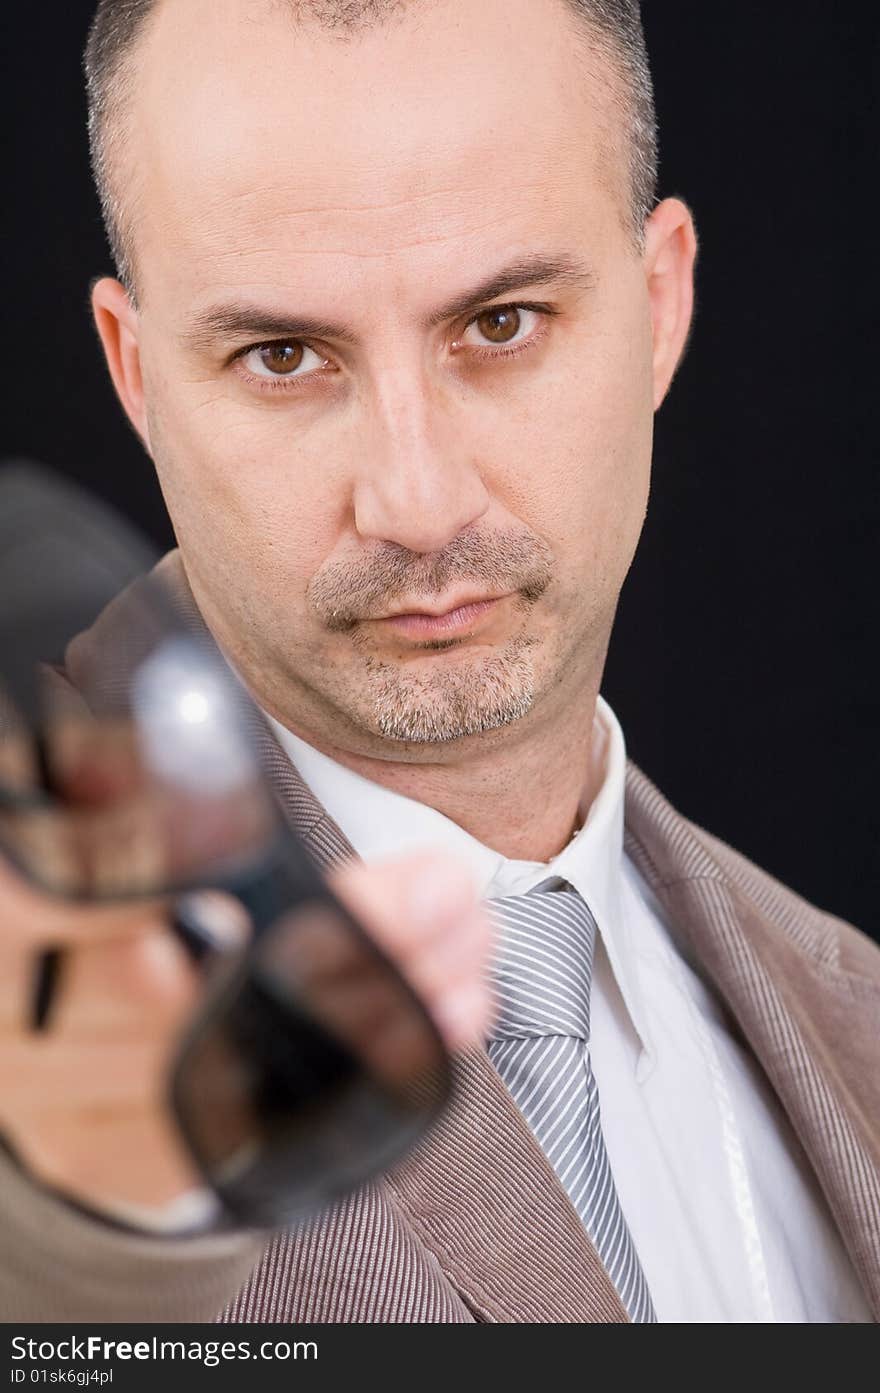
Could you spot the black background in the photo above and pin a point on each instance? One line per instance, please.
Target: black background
(743, 662)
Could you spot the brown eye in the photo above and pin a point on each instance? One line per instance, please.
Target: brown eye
(499, 325)
(281, 358)
(282, 361)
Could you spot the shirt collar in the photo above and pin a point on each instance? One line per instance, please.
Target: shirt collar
(379, 822)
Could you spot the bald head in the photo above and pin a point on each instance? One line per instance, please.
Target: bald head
(609, 32)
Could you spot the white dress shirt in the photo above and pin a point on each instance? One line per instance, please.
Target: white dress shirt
(724, 1209)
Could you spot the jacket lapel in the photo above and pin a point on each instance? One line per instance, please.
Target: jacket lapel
(478, 1191)
(482, 1196)
(813, 1026)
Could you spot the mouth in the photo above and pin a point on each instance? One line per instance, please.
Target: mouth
(424, 623)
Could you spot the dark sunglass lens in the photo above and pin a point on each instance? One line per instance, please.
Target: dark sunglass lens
(312, 1069)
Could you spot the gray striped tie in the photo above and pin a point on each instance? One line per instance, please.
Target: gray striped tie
(541, 978)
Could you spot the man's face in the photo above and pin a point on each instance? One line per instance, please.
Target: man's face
(429, 439)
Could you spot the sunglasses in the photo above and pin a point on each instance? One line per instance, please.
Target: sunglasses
(309, 1065)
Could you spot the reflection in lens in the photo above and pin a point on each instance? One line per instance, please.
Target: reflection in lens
(316, 1069)
(346, 987)
(167, 796)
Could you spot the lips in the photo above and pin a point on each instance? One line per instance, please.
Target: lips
(442, 607)
(461, 619)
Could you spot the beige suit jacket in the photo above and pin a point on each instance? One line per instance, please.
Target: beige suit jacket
(474, 1225)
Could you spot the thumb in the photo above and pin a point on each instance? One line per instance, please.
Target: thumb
(424, 912)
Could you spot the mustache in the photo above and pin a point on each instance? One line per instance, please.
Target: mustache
(344, 594)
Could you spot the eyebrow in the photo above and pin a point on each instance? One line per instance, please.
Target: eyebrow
(240, 319)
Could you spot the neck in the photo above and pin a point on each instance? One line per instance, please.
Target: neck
(523, 794)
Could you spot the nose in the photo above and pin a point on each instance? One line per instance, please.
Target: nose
(418, 483)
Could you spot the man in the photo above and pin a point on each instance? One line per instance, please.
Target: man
(395, 310)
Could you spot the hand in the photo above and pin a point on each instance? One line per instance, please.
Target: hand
(84, 1104)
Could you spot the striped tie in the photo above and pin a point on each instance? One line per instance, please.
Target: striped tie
(541, 980)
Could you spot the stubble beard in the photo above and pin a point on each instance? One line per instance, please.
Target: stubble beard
(451, 701)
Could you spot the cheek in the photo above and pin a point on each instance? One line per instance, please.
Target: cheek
(241, 491)
(585, 456)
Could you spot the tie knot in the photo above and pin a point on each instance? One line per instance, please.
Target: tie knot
(542, 965)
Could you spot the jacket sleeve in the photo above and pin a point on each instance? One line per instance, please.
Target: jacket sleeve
(60, 1263)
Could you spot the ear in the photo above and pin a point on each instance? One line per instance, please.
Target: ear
(669, 259)
(118, 327)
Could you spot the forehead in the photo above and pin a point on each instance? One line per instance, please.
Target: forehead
(453, 126)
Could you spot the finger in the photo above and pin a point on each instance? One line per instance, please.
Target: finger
(463, 1014)
(124, 988)
(116, 1024)
(31, 918)
(18, 764)
(406, 900)
(16, 990)
(83, 853)
(123, 1157)
(440, 961)
(453, 948)
(351, 991)
(43, 1072)
(411, 904)
(18, 767)
(93, 762)
(109, 823)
